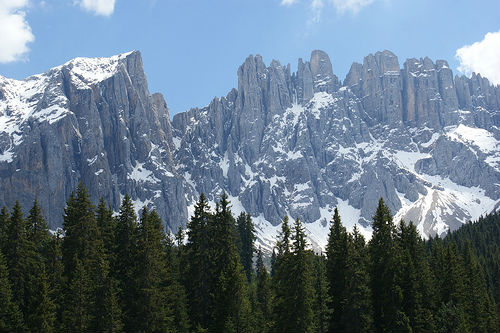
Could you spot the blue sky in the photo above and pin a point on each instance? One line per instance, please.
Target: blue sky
(191, 49)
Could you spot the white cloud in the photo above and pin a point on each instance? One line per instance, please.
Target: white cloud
(352, 6)
(482, 57)
(316, 8)
(98, 7)
(15, 32)
(341, 6)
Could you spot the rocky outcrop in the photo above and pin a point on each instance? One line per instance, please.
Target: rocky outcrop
(281, 143)
(90, 120)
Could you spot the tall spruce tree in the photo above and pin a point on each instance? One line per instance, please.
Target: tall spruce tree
(449, 271)
(38, 231)
(151, 277)
(196, 277)
(55, 271)
(124, 264)
(4, 226)
(337, 270)
(321, 302)
(19, 255)
(358, 312)
(175, 294)
(301, 284)
(282, 281)
(478, 301)
(83, 259)
(414, 278)
(246, 233)
(11, 318)
(231, 307)
(41, 308)
(264, 296)
(385, 293)
(107, 228)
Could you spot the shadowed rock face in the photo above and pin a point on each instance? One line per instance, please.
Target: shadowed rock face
(89, 120)
(281, 143)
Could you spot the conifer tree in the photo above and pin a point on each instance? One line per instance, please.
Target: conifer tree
(10, 315)
(247, 238)
(41, 308)
(385, 293)
(124, 264)
(196, 273)
(4, 226)
(301, 284)
(151, 255)
(321, 303)
(337, 269)
(55, 270)
(231, 307)
(107, 228)
(358, 315)
(77, 311)
(82, 245)
(449, 272)
(38, 231)
(414, 279)
(19, 255)
(176, 302)
(264, 295)
(273, 261)
(108, 310)
(282, 281)
(477, 299)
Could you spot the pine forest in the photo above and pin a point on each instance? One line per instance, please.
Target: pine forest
(118, 272)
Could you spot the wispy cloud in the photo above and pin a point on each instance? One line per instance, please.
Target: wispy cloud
(482, 57)
(341, 6)
(98, 7)
(316, 9)
(352, 6)
(15, 32)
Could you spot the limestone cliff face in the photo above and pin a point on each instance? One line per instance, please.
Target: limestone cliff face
(281, 143)
(89, 120)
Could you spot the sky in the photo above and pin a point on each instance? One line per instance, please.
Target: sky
(191, 49)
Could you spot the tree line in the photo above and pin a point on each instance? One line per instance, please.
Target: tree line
(108, 272)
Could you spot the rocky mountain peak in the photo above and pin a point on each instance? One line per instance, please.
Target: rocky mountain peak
(281, 143)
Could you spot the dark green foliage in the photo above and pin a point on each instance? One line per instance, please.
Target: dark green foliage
(293, 281)
(337, 270)
(321, 302)
(10, 317)
(414, 279)
(41, 315)
(231, 308)
(246, 233)
(124, 264)
(111, 274)
(264, 297)
(151, 277)
(302, 288)
(282, 280)
(107, 227)
(386, 294)
(175, 294)
(84, 261)
(19, 255)
(358, 312)
(196, 272)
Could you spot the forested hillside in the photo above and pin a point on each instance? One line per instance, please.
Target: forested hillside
(108, 272)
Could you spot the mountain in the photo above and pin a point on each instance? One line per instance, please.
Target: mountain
(281, 143)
